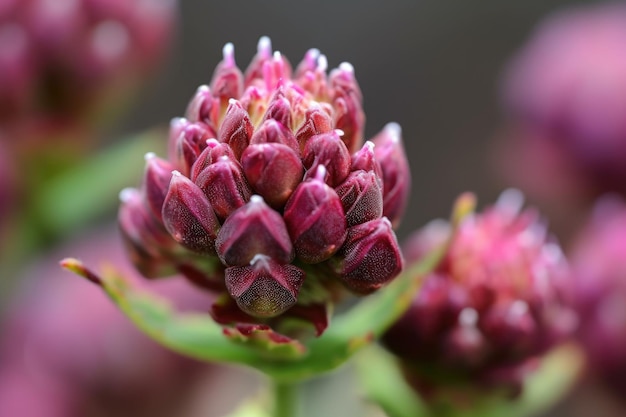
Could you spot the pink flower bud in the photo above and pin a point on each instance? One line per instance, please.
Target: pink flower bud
(347, 99)
(203, 107)
(265, 288)
(145, 238)
(327, 149)
(188, 215)
(156, 181)
(370, 257)
(227, 82)
(236, 129)
(225, 185)
(316, 122)
(315, 219)
(279, 109)
(212, 152)
(365, 159)
(254, 229)
(361, 197)
(273, 170)
(272, 131)
(396, 173)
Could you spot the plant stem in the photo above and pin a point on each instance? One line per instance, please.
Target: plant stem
(285, 399)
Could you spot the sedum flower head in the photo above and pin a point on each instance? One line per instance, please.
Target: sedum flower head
(269, 194)
(493, 303)
(599, 265)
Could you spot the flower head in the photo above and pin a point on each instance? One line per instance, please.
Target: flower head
(59, 59)
(565, 97)
(493, 303)
(273, 198)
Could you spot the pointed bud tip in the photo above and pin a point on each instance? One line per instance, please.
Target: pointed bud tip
(260, 259)
(511, 200)
(347, 68)
(178, 121)
(264, 46)
(228, 53)
(277, 56)
(126, 194)
(322, 63)
(203, 89)
(394, 130)
(149, 155)
(339, 132)
(77, 267)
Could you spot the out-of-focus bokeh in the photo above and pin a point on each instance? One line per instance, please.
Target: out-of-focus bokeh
(437, 67)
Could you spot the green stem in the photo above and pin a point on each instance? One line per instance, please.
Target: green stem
(285, 399)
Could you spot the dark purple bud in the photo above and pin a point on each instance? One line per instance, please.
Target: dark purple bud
(327, 149)
(347, 100)
(361, 197)
(370, 257)
(272, 131)
(156, 181)
(236, 128)
(279, 109)
(315, 219)
(188, 215)
(213, 151)
(254, 229)
(396, 174)
(273, 170)
(203, 107)
(144, 237)
(316, 122)
(227, 81)
(265, 288)
(224, 184)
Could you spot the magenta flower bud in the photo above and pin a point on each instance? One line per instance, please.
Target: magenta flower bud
(272, 131)
(273, 170)
(327, 149)
(316, 122)
(315, 219)
(212, 152)
(494, 304)
(370, 257)
(236, 129)
(145, 238)
(254, 229)
(188, 215)
(227, 82)
(361, 197)
(365, 159)
(156, 182)
(225, 185)
(265, 288)
(279, 109)
(203, 107)
(347, 99)
(278, 137)
(396, 173)
(255, 71)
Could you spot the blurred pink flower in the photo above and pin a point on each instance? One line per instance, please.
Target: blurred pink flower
(492, 306)
(59, 59)
(599, 263)
(564, 95)
(66, 350)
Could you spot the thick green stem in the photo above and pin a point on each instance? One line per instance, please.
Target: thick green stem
(285, 399)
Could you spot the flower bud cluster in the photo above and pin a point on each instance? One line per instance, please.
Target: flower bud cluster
(55, 56)
(268, 190)
(494, 302)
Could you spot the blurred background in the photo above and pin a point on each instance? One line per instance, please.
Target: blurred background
(436, 67)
